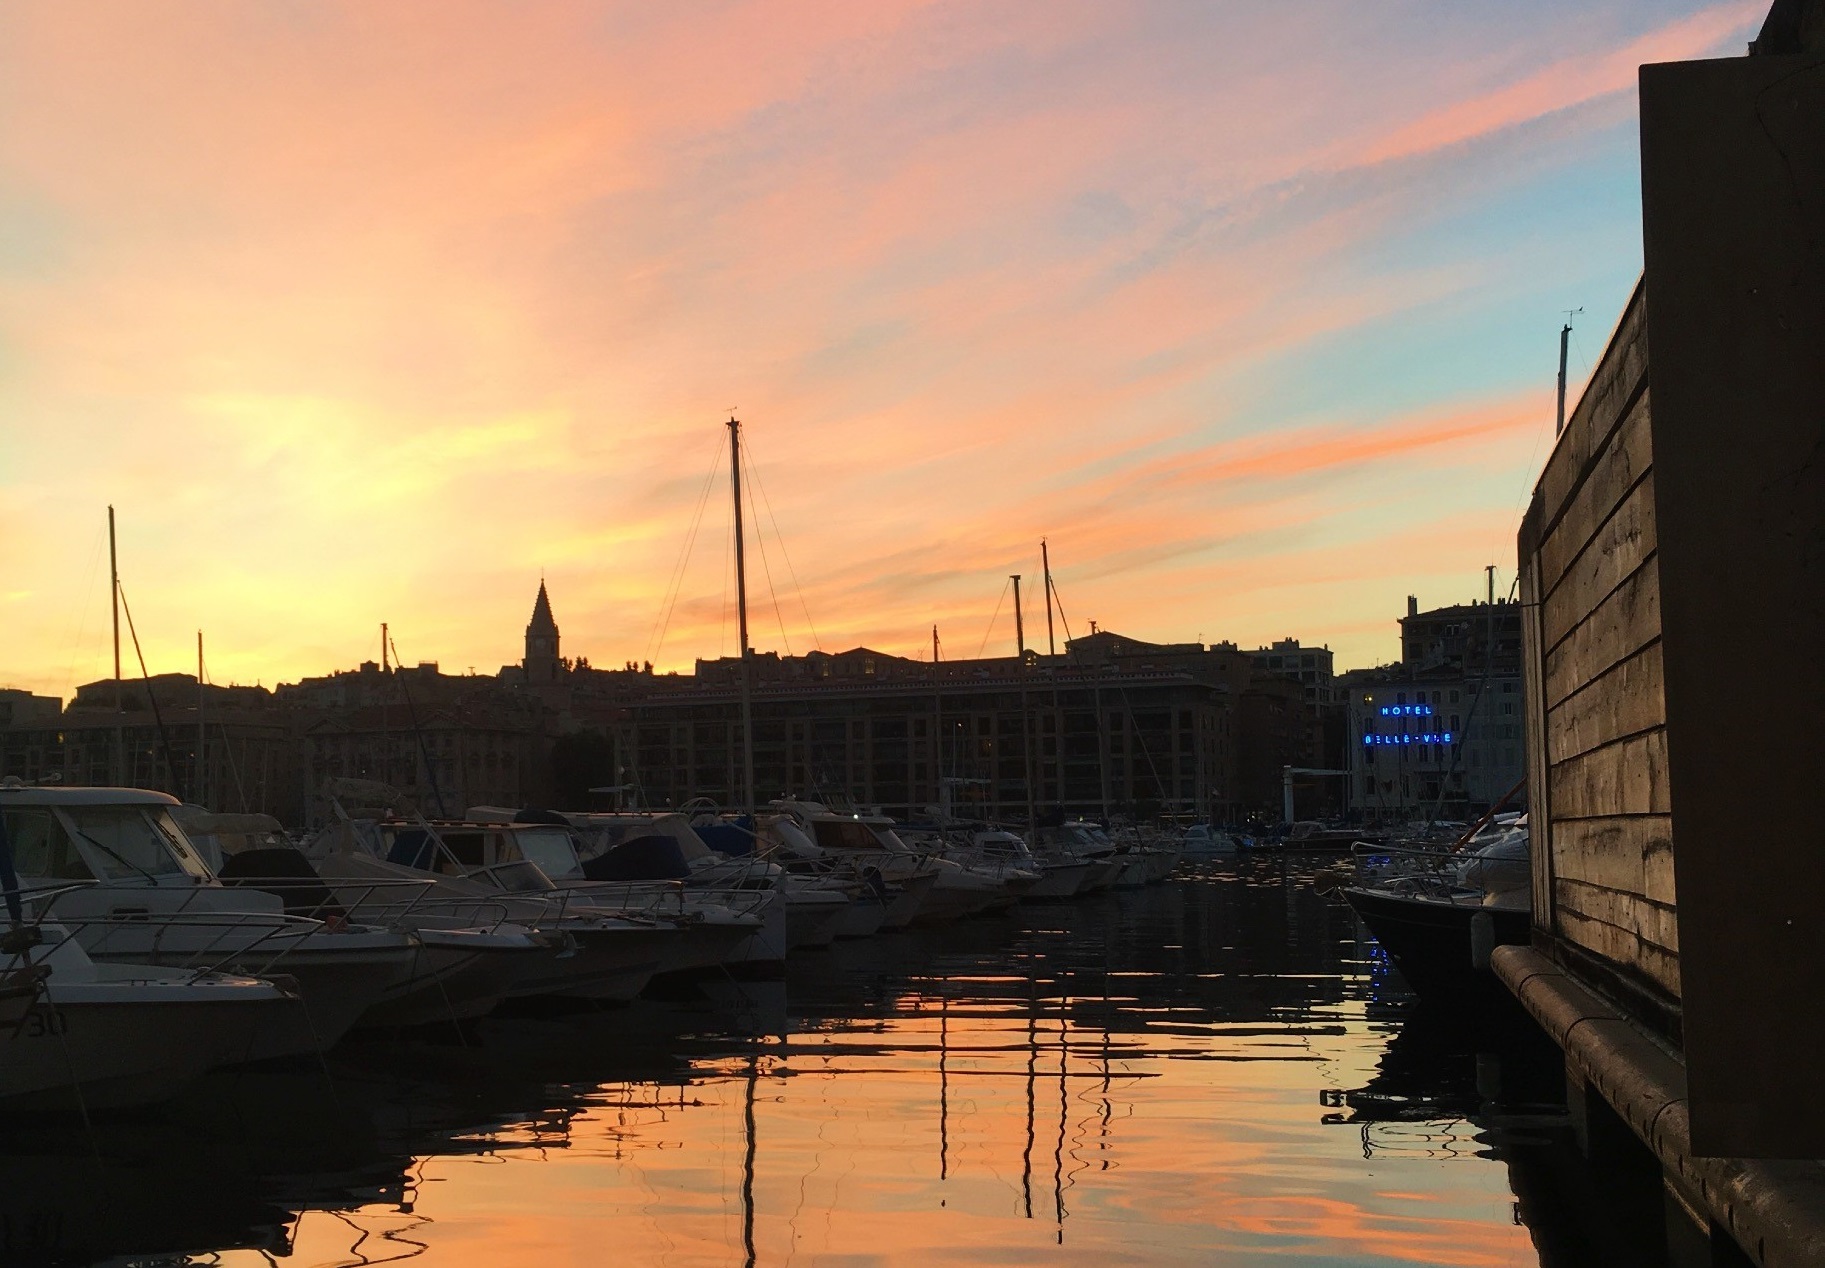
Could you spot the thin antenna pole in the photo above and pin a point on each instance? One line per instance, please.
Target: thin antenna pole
(201, 789)
(937, 726)
(120, 703)
(1564, 341)
(384, 667)
(1045, 560)
(741, 604)
(1020, 628)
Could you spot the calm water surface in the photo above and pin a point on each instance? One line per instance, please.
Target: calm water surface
(1220, 1069)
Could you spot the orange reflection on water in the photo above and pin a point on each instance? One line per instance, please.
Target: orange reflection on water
(990, 1131)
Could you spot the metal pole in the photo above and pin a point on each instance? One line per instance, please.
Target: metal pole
(1026, 716)
(1045, 560)
(118, 757)
(1020, 629)
(1564, 339)
(201, 789)
(741, 603)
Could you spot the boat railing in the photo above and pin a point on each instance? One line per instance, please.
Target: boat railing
(254, 943)
(1413, 870)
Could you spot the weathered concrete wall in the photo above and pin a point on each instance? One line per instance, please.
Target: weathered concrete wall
(1596, 725)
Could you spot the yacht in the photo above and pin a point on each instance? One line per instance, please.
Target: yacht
(593, 953)
(1203, 841)
(1079, 839)
(658, 867)
(468, 959)
(119, 873)
(1438, 913)
(95, 1035)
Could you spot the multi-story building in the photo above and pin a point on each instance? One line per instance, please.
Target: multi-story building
(1439, 735)
(1086, 740)
(1310, 666)
(230, 747)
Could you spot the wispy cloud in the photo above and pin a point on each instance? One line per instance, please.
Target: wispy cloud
(369, 313)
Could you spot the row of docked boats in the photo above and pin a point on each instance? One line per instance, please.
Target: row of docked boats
(148, 941)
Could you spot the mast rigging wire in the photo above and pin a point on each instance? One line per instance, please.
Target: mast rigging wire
(656, 642)
(766, 567)
(791, 572)
(992, 619)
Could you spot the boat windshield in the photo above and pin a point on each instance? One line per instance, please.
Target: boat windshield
(123, 843)
(889, 840)
(519, 877)
(845, 834)
(551, 849)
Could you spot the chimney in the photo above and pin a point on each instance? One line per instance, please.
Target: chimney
(1412, 605)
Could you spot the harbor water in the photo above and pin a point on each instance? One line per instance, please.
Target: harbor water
(1218, 1069)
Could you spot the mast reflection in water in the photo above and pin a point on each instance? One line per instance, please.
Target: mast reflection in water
(1220, 1069)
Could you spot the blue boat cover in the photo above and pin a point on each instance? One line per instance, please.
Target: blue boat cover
(734, 837)
(647, 858)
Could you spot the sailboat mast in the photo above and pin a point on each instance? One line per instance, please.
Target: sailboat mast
(200, 785)
(741, 603)
(1020, 628)
(1026, 714)
(120, 703)
(1045, 560)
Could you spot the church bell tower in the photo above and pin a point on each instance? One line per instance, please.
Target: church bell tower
(542, 664)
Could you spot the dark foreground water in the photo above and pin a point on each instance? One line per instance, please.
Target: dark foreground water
(1220, 1069)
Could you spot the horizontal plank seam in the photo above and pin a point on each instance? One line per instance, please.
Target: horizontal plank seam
(1589, 683)
(1598, 748)
(1595, 534)
(1628, 814)
(1596, 455)
(1653, 556)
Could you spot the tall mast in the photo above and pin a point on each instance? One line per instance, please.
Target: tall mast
(937, 725)
(120, 703)
(1026, 714)
(200, 784)
(741, 604)
(1045, 561)
(1020, 629)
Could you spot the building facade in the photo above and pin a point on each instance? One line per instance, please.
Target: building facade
(1439, 735)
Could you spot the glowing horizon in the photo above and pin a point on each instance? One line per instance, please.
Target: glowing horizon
(369, 314)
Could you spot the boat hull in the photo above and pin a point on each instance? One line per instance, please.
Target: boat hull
(118, 1053)
(1429, 940)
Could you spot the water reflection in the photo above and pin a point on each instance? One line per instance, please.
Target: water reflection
(1221, 1068)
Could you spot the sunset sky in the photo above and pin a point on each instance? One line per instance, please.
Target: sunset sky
(377, 312)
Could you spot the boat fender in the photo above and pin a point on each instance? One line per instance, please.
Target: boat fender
(1327, 880)
(1482, 940)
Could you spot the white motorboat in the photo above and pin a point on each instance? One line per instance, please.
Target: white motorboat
(1089, 843)
(818, 841)
(591, 953)
(98, 1035)
(145, 896)
(645, 874)
(1202, 841)
(733, 908)
(1060, 874)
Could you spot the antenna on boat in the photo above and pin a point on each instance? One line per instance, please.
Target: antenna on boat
(1564, 340)
(747, 653)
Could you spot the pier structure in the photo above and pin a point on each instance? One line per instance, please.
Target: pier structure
(1672, 582)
